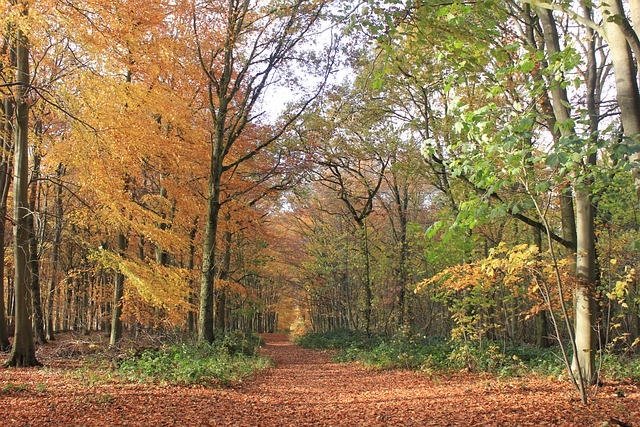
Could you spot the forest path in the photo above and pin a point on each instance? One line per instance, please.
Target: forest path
(306, 389)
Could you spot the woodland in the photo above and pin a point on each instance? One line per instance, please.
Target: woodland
(446, 174)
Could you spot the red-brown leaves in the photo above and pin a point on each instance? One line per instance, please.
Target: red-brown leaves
(305, 388)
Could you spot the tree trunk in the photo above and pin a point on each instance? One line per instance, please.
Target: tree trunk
(55, 254)
(585, 302)
(221, 297)
(368, 293)
(4, 335)
(205, 314)
(401, 197)
(542, 324)
(162, 256)
(6, 129)
(624, 68)
(34, 253)
(585, 351)
(116, 315)
(23, 349)
(4, 186)
(191, 321)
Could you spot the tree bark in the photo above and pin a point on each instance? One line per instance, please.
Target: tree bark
(191, 320)
(205, 314)
(624, 69)
(585, 292)
(221, 297)
(118, 292)
(6, 165)
(5, 183)
(23, 349)
(584, 359)
(34, 253)
(55, 254)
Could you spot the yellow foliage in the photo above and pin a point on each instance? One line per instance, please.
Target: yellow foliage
(165, 287)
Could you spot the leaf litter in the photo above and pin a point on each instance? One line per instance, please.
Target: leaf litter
(305, 388)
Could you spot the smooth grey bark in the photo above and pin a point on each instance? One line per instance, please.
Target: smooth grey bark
(584, 347)
(5, 184)
(55, 253)
(225, 269)
(6, 169)
(23, 349)
(205, 313)
(401, 199)
(34, 253)
(625, 72)
(191, 319)
(118, 292)
(4, 334)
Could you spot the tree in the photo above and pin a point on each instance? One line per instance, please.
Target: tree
(257, 42)
(6, 171)
(23, 349)
(624, 45)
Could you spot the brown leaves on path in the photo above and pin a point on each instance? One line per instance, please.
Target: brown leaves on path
(307, 389)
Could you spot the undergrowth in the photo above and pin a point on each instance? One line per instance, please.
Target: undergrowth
(414, 351)
(226, 361)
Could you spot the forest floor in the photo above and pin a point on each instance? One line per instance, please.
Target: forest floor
(304, 389)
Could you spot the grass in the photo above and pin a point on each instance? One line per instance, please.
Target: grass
(228, 360)
(414, 351)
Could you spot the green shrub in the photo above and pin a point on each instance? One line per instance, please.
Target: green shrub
(228, 360)
(621, 367)
(336, 340)
(415, 351)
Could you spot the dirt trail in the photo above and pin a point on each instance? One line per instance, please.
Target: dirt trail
(306, 389)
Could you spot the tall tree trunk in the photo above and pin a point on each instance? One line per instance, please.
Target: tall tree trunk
(368, 292)
(55, 253)
(191, 321)
(23, 349)
(34, 253)
(116, 314)
(6, 165)
(221, 297)
(162, 256)
(624, 68)
(585, 292)
(542, 324)
(584, 355)
(4, 333)
(205, 314)
(5, 183)
(401, 198)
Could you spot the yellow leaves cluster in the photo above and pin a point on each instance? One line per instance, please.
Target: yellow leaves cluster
(509, 266)
(161, 287)
(621, 288)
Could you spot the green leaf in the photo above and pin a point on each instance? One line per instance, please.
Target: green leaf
(576, 157)
(552, 160)
(527, 66)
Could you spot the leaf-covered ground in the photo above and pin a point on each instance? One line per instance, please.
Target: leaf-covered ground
(305, 389)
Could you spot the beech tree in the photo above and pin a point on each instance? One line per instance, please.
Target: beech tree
(257, 43)
(23, 348)
(6, 163)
